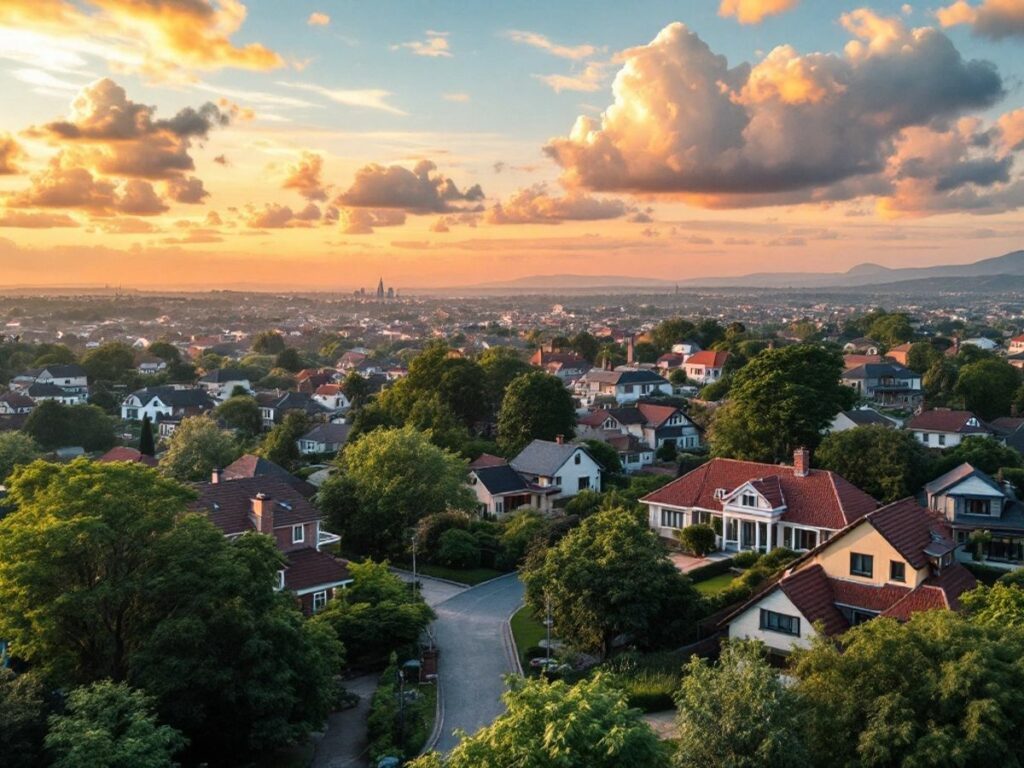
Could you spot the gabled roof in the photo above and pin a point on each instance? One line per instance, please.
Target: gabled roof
(944, 420)
(45, 389)
(656, 415)
(543, 457)
(328, 433)
(487, 460)
(810, 591)
(307, 569)
(625, 376)
(16, 399)
(500, 479)
(771, 489)
(228, 503)
(958, 475)
(709, 358)
(912, 531)
(126, 453)
(878, 370)
(251, 465)
(176, 398)
(70, 371)
(822, 499)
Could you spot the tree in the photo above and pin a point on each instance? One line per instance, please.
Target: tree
(678, 378)
(22, 719)
(585, 345)
(697, 539)
(241, 412)
(987, 387)
(458, 549)
(921, 356)
(112, 361)
(522, 529)
(536, 406)
(462, 386)
(16, 449)
(891, 329)
(610, 577)
(501, 365)
(109, 725)
(268, 343)
(281, 443)
(940, 382)
(586, 725)
(388, 480)
(196, 448)
(939, 689)
(605, 455)
(672, 331)
(356, 389)
(781, 400)
(289, 359)
(738, 713)
(375, 616)
(981, 452)
(55, 425)
(889, 464)
(165, 351)
(147, 445)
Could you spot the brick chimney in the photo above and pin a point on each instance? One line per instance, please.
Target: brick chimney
(217, 475)
(801, 462)
(630, 350)
(263, 513)
(559, 439)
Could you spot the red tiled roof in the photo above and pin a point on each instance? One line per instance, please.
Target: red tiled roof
(911, 529)
(822, 499)
(124, 453)
(708, 357)
(942, 591)
(487, 460)
(855, 361)
(656, 415)
(251, 465)
(229, 502)
(594, 418)
(771, 489)
(867, 596)
(329, 389)
(308, 569)
(942, 420)
(810, 590)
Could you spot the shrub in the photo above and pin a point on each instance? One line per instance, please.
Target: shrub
(458, 549)
(746, 559)
(697, 539)
(430, 529)
(667, 452)
(690, 461)
(584, 504)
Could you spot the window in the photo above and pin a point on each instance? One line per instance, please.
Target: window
(977, 507)
(719, 493)
(577, 458)
(298, 534)
(780, 622)
(583, 484)
(861, 565)
(499, 506)
(319, 601)
(671, 519)
(280, 580)
(558, 480)
(627, 388)
(859, 617)
(897, 571)
(804, 539)
(942, 439)
(787, 537)
(749, 500)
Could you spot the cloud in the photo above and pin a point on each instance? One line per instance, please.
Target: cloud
(791, 129)
(318, 19)
(11, 154)
(127, 225)
(26, 220)
(534, 205)
(60, 187)
(367, 98)
(754, 11)
(590, 79)
(445, 223)
(140, 199)
(420, 190)
(276, 216)
(188, 190)
(158, 38)
(994, 19)
(435, 46)
(537, 40)
(361, 221)
(305, 177)
(461, 98)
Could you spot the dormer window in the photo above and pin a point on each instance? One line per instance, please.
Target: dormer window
(749, 500)
(720, 493)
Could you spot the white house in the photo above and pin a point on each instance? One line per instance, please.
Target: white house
(165, 402)
(332, 397)
(324, 438)
(944, 428)
(567, 467)
(860, 417)
(706, 366)
(624, 385)
(223, 381)
(499, 489)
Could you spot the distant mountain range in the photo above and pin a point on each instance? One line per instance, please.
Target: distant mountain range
(976, 275)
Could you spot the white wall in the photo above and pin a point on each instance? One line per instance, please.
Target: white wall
(570, 472)
(748, 623)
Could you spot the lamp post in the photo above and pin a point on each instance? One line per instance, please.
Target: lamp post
(415, 580)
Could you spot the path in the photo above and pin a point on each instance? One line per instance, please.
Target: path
(344, 744)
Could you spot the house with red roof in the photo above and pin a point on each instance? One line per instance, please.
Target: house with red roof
(755, 506)
(706, 366)
(648, 426)
(127, 453)
(1016, 345)
(892, 561)
(270, 505)
(945, 428)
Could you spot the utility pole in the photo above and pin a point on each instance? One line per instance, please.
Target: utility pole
(415, 580)
(547, 625)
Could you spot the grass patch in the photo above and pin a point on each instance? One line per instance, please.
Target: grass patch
(715, 584)
(527, 632)
(469, 576)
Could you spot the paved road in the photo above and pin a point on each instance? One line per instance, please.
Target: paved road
(344, 744)
(470, 633)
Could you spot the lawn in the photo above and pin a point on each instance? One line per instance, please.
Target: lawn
(470, 576)
(715, 584)
(527, 631)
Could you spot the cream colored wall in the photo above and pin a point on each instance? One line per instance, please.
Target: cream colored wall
(865, 540)
(748, 623)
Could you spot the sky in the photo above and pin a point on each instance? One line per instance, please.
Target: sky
(323, 144)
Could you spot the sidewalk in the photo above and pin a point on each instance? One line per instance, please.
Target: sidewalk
(344, 745)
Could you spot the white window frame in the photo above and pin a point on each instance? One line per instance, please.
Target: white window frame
(298, 534)
(319, 600)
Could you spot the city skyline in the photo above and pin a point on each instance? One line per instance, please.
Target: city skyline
(320, 145)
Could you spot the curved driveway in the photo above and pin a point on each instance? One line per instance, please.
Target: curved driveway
(470, 631)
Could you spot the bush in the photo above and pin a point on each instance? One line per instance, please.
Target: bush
(690, 461)
(746, 559)
(652, 691)
(777, 558)
(712, 569)
(584, 504)
(458, 549)
(521, 531)
(697, 539)
(667, 452)
(430, 529)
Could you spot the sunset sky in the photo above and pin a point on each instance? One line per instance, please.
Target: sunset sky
(265, 144)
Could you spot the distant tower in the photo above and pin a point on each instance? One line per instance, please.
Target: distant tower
(380, 289)
(391, 293)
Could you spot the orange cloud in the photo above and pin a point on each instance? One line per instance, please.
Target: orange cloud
(60, 187)
(361, 221)
(26, 220)
(990, 18)
(533, 205)
(276, 216)
(754, 11)
(10, 154)
(318, 19)
(305, 177)
(421, 190)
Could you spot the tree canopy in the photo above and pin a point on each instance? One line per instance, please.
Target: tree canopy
(987, 387)
(55, 425)
(889, 464)
(197, 447)
(536, 406)
(16, 448)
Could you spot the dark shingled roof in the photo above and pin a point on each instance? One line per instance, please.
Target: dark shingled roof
(251, 465)
(543, 457)
(71, 371)
(229, 503)
(501, 479)
(176, 398)
(863, 417)
(307, 569)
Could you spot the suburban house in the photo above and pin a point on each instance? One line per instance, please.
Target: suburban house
(1010, 429)
(892, 562)
(886, 383)
(166, 402)
(566, 466)
(754, 506)
(862, 346)
(981, 342)
(67, 384)
(15, 403)
(568, 366)
(899, 353)
(251, 465)
(219, 384)
(944, 428)
(500, 489)
(309, 379)
(274, 405)
(150, 366)
(860, 417)
(271, 506)
(324, 438)
(706, 367)
(654, 425)
(623, 385)
(332, 397)
(1016, 345)
(971, 501)
(126, 453)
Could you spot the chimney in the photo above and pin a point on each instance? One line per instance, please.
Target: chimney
(217, 475)
(630, 350)
(263, 513)
(801, 462)
(559, 439)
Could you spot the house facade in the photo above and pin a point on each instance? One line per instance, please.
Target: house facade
(219, 384)
(67, 384)
(165, 403)
(324, 438)
(652, 425)
(893, 561)
(944, 428)
(499, 490)
(755, 506)
(706, 367)
(860, 417)
(623, 385)
(885, 383)
(565, 468)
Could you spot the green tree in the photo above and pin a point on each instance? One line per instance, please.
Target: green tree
(241, 412)
(22, 719)
(586, 725)
(289, 359)
(112, 361)
(940, 382)
(55, 425)
(981, 452)
(109, 725)
(891, 329)
(698, 539)
(280, 445)
(672, 331)
(536, 406)
(462, 386)
(53, 354)
(678, 378)
(388, 480)
(196, 448)
(987, 387)
(889, 464)
(165, 351)
(147, 445)
(501, 365)
(356, 389)
(737, 714)
(16, 449)
(921, 356)
(605, 455)
(585, 345)
(781, 400)
(268, 343)
(609, 577)
(522, 529)
(998, 606)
